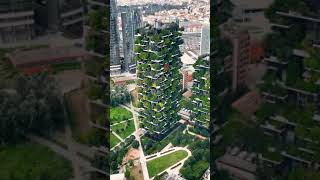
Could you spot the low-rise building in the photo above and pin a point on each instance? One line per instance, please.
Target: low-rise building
(39, 60)
(240, 165)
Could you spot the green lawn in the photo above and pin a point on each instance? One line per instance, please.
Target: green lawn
(118, 114)
(158, 165)
(113, 140)
(32, 161)
(124, 129)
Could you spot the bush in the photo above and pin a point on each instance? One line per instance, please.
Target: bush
(135, 144)
(119, 95)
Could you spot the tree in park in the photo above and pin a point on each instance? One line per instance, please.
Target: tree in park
(135, 144)
(33, 106)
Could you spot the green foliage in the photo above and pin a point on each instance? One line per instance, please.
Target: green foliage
(135, 144)
(222, 175)
(65, 66)
(177, 138)
(303, 174)
(163, 63)
(113, 140)
(127, 173)
(31, 161)
(118, 114)
(32, 106)
(93, 67)
(198, 163)
(158, 165)
(95, 91)
(281, 44)
(124, 129)
(293, 72)
(286, 5)
(119, 95)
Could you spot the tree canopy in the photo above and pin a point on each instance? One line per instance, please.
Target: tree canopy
(32, 106)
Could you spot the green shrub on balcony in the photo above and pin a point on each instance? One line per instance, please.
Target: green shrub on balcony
(158, 65)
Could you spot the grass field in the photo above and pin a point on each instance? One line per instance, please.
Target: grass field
(158, 165)
(113, 140)
(118, 114)
(124, 130)
(32, 161)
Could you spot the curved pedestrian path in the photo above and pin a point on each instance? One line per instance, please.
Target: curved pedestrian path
(168, 151)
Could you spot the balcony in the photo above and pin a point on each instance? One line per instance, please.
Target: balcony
(274, 157)
(17, 23)
(281, 119)
(278, 128)
(16, 15)
(72, 21)
(298, 15)
(101, 3)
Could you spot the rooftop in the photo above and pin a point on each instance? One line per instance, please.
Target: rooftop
(252, 4)
(44, 55)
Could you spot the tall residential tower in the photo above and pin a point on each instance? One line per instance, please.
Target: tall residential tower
(200, 114)
(131, 21)
(16, 21)
(115, 66)
(159, 78)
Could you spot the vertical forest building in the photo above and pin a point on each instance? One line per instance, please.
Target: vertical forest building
(159, 78)
(200, 113)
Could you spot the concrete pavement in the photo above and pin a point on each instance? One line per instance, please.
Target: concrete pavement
(142, 157)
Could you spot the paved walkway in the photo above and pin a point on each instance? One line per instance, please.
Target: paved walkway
(169, 151)
(167, 147)
(132, 109)
(122, 140)
(142, 157)
(194, 134)
(121, 122)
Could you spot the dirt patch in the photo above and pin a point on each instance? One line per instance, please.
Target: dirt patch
(134, 97)
(69, 80)
(136, 171)
(132, 154)
(78, 114)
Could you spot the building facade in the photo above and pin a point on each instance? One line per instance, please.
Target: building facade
(16, 21)
(60, 15)
(159, 78)
(200, 113)
(239, 61)
(131, 21)
(115, 65)
(205, 40)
